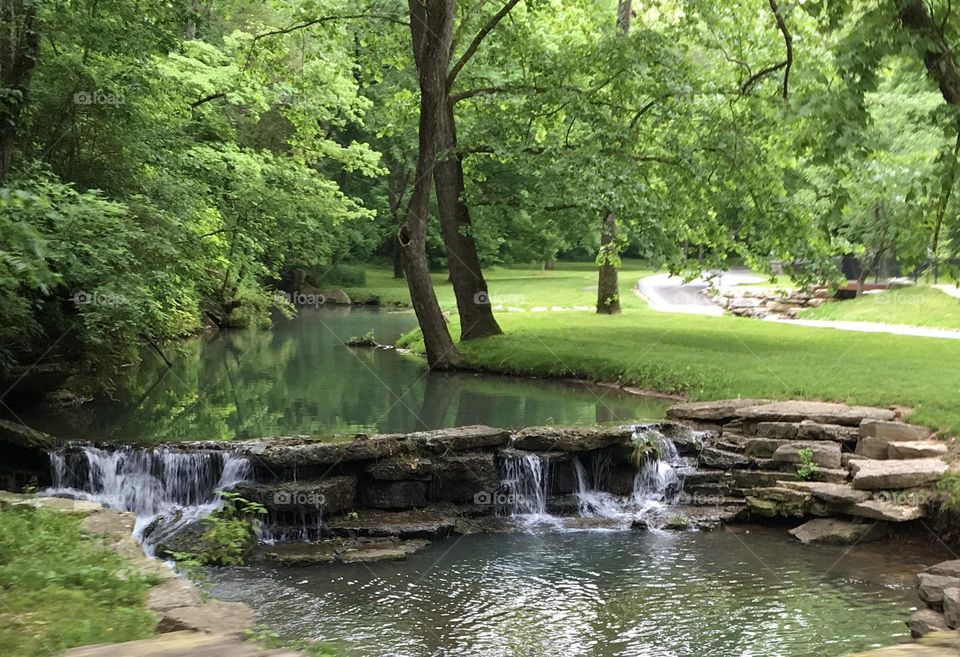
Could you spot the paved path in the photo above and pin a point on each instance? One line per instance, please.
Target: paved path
(669, 294)
(952, 290)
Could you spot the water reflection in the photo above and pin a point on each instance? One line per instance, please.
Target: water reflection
(299, 378)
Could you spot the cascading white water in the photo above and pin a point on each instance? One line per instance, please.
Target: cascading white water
(524, 478)
(167, 489)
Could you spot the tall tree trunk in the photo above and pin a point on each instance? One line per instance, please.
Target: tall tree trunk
(463, 262)
(431, 27)
(19, 47)
(608, 292)
(608, 285)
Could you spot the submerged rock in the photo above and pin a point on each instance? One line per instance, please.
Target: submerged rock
(833, 531)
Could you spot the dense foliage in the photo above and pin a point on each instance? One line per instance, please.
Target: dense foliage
(166, 166)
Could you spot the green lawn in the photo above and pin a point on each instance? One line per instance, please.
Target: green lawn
(709, 357)
(570, 285)
(61, 589)
(915, 306)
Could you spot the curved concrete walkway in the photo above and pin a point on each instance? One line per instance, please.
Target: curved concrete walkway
(669, 294)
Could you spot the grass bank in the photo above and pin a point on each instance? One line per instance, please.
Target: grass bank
(914, 306)
(707, 357)
(61, 588)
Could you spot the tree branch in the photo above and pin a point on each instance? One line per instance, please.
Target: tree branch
(788, 42)
(478, 39)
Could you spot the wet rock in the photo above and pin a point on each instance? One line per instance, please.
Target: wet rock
(887, 511)
(711, 411)
(783, 502)
(834, 531)
(951, 606)
(20, 435)
(819, 412)
(457, 439)
(763, 447)
(924, 621)
(828, 492)
(687, 441)
(401, 468)
(365, 342)
(712, 457)
(299, 554)
(947, 568)
(899, 474)
(571, 439)
(462, 477)
(329, 495)
(825, 454)
(425, 523)
(395, 494)
(298, 453)
(932, 588)
(916, 449)
(894, 431)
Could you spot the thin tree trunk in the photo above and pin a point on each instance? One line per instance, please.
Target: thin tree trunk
(608, 292)
(431, 27)
(19, 47)
(608, 285)
(463, 262)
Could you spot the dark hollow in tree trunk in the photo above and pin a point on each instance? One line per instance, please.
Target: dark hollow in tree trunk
(608, 289)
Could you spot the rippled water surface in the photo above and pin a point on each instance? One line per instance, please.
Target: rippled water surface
(718, 594)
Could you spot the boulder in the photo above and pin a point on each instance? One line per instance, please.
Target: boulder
(20, 435)
(899, 474)
(828, 492)
(836, 432)
(401, 468)
(712, 457)
(834, 531)
(571, 439)
(947, 568)
(893, 431)
(779, 501)
(886, 511)
(777, 430)
(687, 441)
(825, 454)
(951, 606)
(916, 449)
(814, 411)
(872, 447)
(395, 494)
(932, 588)
(710, 411)
(462, 477)
(924, 621)
(333, 295)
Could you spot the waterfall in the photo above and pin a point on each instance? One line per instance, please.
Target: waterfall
(524, 478)
(167, 489)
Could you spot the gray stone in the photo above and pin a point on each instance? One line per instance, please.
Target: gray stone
(712, 457)
(329, 495)
(425, 523)
(830, 475)
(835, 432)
(747, 479)
(571, 439)
(819, 412)
(710, 411)
(872, 447)
(457, 439)
(894, 431)
(461, 477)
(948, 568)
(762, 447)
(924, 621)
(395, 494)
(401, 468)
(886, 511)
(300, 554)
(828, 492)
(916, 449)
(777, 430)
(932, 587)
(825, 454)
(299, 453)
(213, 616)
(951, 606)
(899, 474)
(834, 531)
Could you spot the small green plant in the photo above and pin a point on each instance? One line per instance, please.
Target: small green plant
(949, 485)
(271, 640)
(227, 538)
(644, 450)
(806, 466)
(677, 521)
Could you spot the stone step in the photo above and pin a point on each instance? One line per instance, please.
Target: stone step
(916, 449)
(896, 475)
(828, 492)
(825, 454)
(893, 431)
(712, 457)
(819, 412)
(746, 479)
(887, 511)
(836, 531)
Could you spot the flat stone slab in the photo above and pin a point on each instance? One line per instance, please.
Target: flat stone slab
(404, 524)
(916, 449)
(711, 457)
(886, 511)
(180, 644)
(825, 454)
(948, 568)
(837, 532)
(814, 411)
(828, 492)
(571, 439)
(873, 447)
(214, 616)
(893, 431)
(327, 495)
(899, 474)
(711, 411)
(457, 439)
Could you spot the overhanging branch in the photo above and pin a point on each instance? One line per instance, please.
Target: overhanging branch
(478, 39)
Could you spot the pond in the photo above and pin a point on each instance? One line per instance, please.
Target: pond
(299, 378)
(594, 593)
